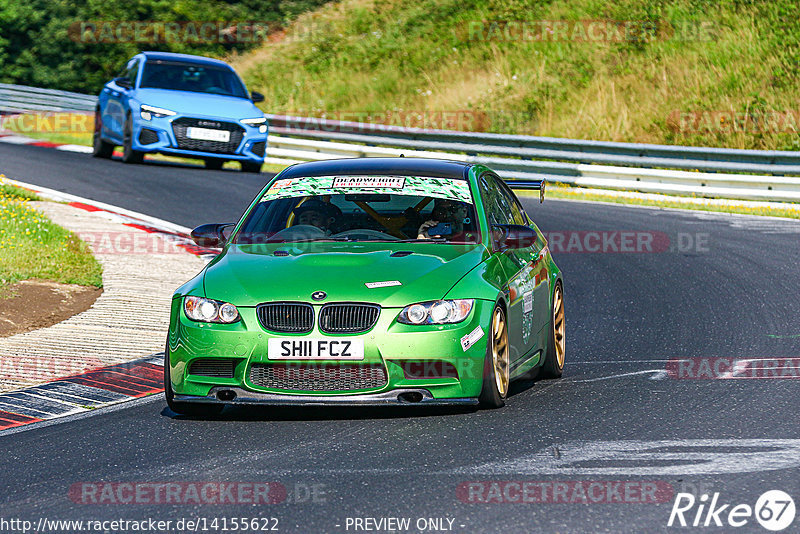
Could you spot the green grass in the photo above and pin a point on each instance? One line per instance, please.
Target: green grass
(32, 246)
(12, 192)
(55, 127)
(395, 60)
(62, 138)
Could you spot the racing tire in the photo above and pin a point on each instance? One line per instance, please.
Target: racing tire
(100, 148)
(553, 365)
(185, 408)
(213, 164)
(129, 155)
(249, 166)
(496, 364)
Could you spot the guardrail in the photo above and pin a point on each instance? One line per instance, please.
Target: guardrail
(548, 148)
(519, 159)
(524, 173)
(20, 98)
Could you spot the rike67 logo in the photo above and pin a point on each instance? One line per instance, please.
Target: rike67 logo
(774, 510)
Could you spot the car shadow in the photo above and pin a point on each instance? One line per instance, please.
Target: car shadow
(341, 413)
(323, 413)
(521, 385)
(176, 164)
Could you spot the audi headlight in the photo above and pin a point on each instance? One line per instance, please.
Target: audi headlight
(148, 112)
(209, 311)
(436, 312)
(261, 122)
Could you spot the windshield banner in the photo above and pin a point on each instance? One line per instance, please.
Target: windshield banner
(399, 185)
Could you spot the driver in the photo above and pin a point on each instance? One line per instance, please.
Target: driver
(448, 211)
(317, 213)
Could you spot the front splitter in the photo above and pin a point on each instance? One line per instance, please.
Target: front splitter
(396, 397)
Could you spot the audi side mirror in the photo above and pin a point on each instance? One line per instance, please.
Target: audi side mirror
(123, 82)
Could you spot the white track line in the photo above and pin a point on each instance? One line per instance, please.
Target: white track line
(75, 148)
(59, 196)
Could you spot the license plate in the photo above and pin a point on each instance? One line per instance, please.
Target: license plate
(206, 134)
(315, 349)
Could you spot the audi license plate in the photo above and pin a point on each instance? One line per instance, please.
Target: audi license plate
(206, 134)
(315, 349)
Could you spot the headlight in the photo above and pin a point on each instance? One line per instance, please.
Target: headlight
(261, 122)
(436, 312)
(255, 121)
(148, 112)
(209, 311)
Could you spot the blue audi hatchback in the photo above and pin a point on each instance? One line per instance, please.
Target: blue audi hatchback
(180, 105)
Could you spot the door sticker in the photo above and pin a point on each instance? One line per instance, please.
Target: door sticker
(527, 302)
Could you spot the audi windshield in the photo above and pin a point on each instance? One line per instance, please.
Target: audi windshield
(194, 77)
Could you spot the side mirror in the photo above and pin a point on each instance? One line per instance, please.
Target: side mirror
(122, 81)
(211, 235)
(256, 97)
(512, 236)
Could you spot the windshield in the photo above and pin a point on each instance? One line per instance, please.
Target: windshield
(363, 208)
(192, 77)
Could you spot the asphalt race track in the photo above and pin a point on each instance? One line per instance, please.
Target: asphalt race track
(625, 425)
(181, 194)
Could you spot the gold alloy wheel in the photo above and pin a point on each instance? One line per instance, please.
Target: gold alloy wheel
(500, 359)
(558, 325)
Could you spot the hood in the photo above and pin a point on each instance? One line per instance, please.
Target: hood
(203, 104)
(247, 275)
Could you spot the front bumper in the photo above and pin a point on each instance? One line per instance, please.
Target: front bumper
(160, 137)
(389, 344)
(397, 397)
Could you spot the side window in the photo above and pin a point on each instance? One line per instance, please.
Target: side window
(501, 205)
(491, 201)
(132, 71)
(517, 212)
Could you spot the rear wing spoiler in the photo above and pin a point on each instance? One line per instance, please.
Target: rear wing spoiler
(536, 185)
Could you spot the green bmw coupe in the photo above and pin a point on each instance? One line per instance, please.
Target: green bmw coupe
(368, 282)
